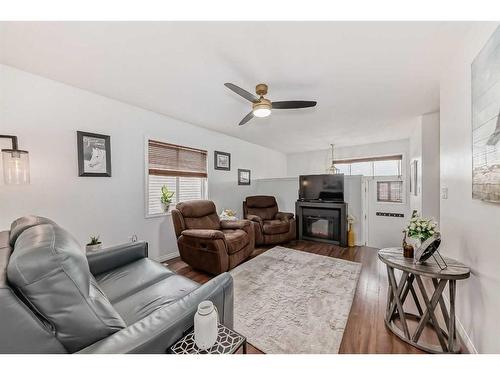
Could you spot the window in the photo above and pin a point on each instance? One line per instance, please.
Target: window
(390, 191)
(362, 168)
(371, 167)
(182, 169)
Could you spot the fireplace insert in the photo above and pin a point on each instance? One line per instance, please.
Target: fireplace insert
(321, 221)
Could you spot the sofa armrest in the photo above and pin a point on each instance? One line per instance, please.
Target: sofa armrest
(235, 224)
(206, 234)
(116, 256)
(255, 218)
(162, 328)
(284, 216)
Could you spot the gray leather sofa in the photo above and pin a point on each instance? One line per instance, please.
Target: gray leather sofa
(54, 299)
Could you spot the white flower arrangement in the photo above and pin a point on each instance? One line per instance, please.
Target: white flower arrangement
(421, 228)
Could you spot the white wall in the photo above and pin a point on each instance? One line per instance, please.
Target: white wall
(470, 228)
(415, 154)
(45, 115)
(424, 148)
(430, 165)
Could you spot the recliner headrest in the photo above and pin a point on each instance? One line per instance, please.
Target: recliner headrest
(19, 225)
(196, 208)
(260, 201)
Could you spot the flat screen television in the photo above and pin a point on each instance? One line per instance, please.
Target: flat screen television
(322, 187)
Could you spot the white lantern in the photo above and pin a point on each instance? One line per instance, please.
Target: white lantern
(205, 325)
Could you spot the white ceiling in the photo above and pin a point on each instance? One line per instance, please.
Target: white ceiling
(369, 78)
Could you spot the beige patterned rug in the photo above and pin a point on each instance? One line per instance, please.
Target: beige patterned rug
(290, 301)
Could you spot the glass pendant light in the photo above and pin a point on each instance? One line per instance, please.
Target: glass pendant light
(333, 169)
(16, 164)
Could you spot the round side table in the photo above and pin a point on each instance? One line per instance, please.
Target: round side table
(398, 292)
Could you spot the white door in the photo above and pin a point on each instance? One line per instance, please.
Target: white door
(385, 213)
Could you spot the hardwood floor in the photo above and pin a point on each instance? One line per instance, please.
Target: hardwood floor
(365, 331)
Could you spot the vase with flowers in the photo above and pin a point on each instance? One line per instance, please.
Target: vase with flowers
(420, 229)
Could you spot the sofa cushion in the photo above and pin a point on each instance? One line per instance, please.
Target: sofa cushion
(236, 239)
(264, 206)
(275, 226)
(50, 269)
(261, 201)
(166, 291)
(124, 281)
(18, 226)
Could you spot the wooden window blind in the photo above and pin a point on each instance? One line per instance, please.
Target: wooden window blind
(371, 167)
(166, 159)
(376, 158)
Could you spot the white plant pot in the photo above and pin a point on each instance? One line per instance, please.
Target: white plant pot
(90, 248)
(165, 206)
(205, 325)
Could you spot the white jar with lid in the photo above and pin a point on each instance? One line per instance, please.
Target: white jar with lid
(205, 325)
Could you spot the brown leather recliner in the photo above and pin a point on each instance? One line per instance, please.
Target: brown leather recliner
(207, 243)
(271, 226)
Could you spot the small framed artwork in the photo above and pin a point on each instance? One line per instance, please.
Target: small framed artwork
(222, 161)
(243, 176)
(414, 177)
(94, 155)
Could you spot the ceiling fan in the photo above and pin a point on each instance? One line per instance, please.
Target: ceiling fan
(261, 107)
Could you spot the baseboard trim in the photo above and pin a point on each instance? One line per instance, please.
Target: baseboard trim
(464, 337)
(461, 332)
(168, 256)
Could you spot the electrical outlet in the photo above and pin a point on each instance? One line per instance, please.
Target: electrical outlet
(444, 193)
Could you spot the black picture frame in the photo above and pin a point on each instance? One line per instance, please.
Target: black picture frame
(97, 147)
(217, 160)
(427, 248)
(242, 180)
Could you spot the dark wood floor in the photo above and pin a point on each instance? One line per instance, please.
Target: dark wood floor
(365, 331)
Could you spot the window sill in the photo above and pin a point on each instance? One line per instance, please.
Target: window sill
(152, 216)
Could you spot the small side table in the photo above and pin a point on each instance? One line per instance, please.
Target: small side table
(397, 293)
(228, 342)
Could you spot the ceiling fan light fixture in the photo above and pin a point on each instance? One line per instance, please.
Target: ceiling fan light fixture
(262, 108)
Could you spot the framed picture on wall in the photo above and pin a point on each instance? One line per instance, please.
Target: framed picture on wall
(485, 91)
(94, 154)
(222, 161)
(414, 177)
(243, 176)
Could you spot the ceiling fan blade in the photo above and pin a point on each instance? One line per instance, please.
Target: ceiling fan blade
(246, 118)
(290, 104)
(244, 93)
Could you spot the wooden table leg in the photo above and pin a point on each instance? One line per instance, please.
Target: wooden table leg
(402, 317)
(442, 305)
(429, 312)
(451, 325)
(402, 292)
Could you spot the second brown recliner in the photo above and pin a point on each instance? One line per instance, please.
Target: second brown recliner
(271, 226)
(207, 243)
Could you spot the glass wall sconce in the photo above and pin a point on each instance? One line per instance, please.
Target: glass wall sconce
(16, 164)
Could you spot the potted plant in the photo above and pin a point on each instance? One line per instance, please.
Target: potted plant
(421, 228)
(166, 197)
(94, 244)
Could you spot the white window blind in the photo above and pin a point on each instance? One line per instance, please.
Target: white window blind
(182, 169)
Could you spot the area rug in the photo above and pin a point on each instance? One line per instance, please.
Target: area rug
(290, 301)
